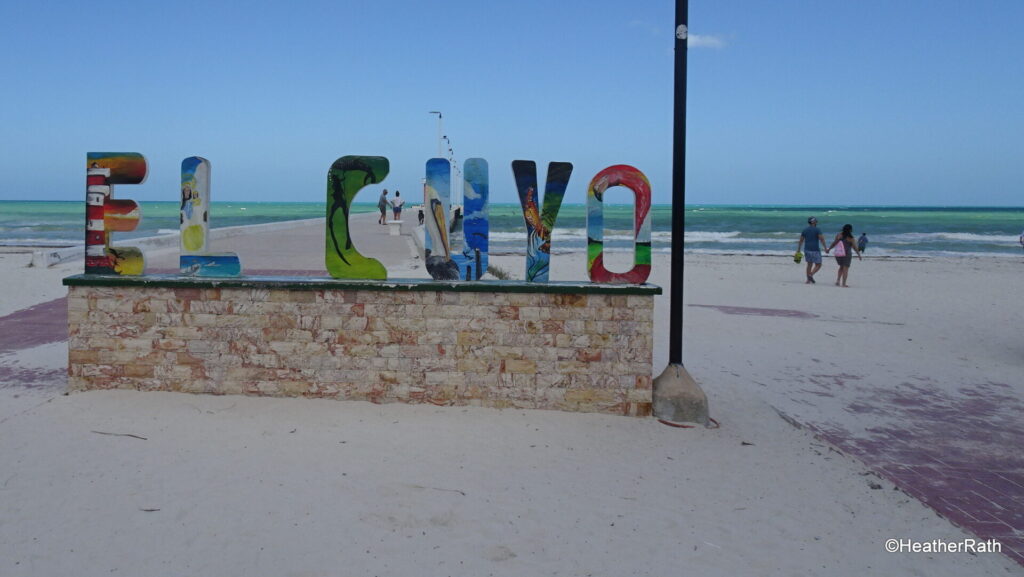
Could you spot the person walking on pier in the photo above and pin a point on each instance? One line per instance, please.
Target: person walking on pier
(382, 205)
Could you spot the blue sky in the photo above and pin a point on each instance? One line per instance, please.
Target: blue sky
(914, 102)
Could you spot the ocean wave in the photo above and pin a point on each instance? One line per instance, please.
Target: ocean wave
(656, 236)
(872, 253)
(919, 237)
(703, 236)
(31, 231)
(40, 242)
(910, 254)
(743, 240)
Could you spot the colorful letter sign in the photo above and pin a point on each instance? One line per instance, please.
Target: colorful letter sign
(347, 176)
(436, 191)
(633, 179)
(475, 221)
(104, 215)
(540, 220)
(195, 258)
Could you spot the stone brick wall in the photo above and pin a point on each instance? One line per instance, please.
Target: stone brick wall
(565, 351)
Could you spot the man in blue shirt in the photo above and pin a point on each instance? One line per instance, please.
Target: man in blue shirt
(811, 240)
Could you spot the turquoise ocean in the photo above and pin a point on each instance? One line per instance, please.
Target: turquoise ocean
(763, 229)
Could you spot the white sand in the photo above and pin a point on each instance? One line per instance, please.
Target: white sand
(23, 286)
(251, 486)
(949, 322)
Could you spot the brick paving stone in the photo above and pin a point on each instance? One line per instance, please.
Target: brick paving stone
(33, 378)
(968, 469)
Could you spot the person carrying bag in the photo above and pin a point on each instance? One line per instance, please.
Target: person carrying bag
(844, 244)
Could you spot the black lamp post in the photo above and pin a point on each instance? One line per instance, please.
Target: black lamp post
(675, 343)
(677, 397)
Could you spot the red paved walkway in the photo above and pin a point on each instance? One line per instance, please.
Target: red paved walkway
(39, 325)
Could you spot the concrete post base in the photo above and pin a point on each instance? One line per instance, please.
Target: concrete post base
(678, 398)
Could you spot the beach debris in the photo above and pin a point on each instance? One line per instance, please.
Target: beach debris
(746, 443)
(459, 491)
(120, 435)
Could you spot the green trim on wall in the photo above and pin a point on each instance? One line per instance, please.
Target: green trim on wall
(298, 283)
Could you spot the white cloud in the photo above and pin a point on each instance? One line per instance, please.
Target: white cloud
(694, 40)
(704, 41)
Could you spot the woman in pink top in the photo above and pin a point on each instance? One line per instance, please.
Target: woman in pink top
(843, 252)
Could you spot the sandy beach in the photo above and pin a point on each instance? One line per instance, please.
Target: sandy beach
(828, 398)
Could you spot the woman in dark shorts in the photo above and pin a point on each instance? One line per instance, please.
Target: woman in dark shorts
(396, 205)
(843, 253)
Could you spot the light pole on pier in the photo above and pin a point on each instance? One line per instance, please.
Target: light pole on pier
(440, 134)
